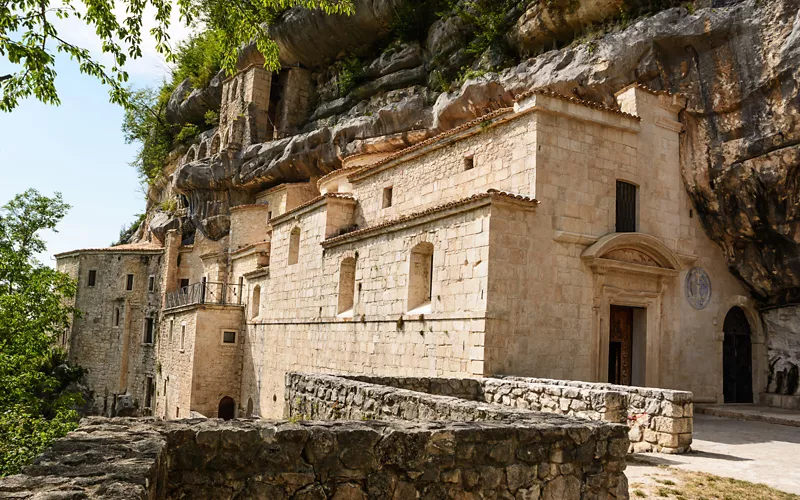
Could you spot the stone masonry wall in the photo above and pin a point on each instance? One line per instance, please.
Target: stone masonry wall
(658, 419)
(548, 458)
(587, 455)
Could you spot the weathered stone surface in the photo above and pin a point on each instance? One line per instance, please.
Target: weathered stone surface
(163, 222)
(646, 411)
(783, 349)
(331, 34)
(400, 58)
(189, 105)
(199, 458)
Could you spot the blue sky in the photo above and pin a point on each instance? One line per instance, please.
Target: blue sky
(78, 148)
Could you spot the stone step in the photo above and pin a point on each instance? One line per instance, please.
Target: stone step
(752, 412)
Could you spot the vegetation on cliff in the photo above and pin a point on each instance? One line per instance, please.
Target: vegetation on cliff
(30, 38)
(37, 403)
(198, 59)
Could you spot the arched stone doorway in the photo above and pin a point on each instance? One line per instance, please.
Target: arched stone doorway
(630, 273)
(737, 358)
(226, 408)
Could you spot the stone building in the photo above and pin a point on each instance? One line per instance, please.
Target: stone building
(553, 239)
(119, 296)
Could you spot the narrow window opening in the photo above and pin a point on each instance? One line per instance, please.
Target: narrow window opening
(626, 207)
(269, 216)
(228, 337)
(129, 282)
(171, 327)
(469, 162)
(183, 337)
(92, 277)
(255, 302)
(420, 279)
(116, 316)
(148, 393)
(347, 286)
(151, 283)
(178, 412)
(387, 197)
(294, 246)
(148, 330)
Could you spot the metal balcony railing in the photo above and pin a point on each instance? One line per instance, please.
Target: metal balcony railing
(205, 292)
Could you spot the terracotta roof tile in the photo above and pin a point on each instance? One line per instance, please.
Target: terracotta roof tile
(647, 89)
(434, 139)
(342, 196)
(147, 246)
(575, 100)
(250, 205)
(491, 193)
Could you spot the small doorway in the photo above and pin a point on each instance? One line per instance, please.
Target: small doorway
(737, 358)
(226, 408)
(627, 345)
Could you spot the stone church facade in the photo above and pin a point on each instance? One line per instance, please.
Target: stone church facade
(553, 239)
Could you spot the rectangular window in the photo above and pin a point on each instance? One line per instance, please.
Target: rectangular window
(228, 337)
(129, 282)
(469, 162)
(183, 337)
(626, 207)
(184, 283)
(148, 330)
(387, 197)
(171, 326)
(92, 277)
(151, 283)
(269, 216)
(148, 393)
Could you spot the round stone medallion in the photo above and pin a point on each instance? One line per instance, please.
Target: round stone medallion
(698, 288)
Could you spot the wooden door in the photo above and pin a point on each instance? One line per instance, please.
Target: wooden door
(737, 358)
(619, 345)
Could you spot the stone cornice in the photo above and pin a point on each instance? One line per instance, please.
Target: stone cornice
(308, 206)
(431, 214)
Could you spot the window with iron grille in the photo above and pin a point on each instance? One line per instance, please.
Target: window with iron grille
(626, 207)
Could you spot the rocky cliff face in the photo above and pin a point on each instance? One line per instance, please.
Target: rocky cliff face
(737, 62)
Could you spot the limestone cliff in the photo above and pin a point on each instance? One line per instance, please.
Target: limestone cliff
(737, 63)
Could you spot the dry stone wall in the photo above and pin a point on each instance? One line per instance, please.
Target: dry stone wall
(153, 459)
(658, 419)
(574, 458)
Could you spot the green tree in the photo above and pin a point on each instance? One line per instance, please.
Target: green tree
(30, 37)
(36, 405)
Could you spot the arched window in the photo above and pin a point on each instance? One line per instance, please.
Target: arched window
(294, 246)
(191, 155)
(249, 407)
(255, 302)
(226, 408)
(420, 275)
(347, 286)
(202, 149)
